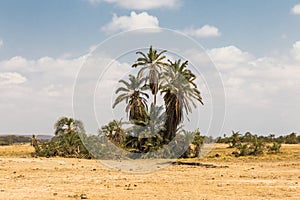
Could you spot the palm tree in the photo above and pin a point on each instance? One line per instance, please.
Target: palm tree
(67, 137)
(153, 62)
(135, 98)
(142, 138)
(234, 139)
(67, 125)
(114, 132)
(179, 92)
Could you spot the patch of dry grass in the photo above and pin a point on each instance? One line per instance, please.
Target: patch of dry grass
(16, 150)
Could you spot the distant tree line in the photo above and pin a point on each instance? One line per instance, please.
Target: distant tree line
(251, 144)
(291, 138)
(12, 139)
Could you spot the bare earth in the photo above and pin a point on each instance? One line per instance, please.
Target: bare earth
(265, 177)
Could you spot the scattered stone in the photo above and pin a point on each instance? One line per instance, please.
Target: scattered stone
(83, 196)
(55, 194)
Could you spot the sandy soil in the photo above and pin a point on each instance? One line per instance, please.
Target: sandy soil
(58, 178)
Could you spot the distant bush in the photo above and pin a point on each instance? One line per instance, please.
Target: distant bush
(275, 148)
(255, 147)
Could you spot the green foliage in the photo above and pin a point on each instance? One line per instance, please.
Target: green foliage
(135, 98)
(234, 140)
(248, 137)
(179, 92)
(198, 142)
(151, 129)
(114, 132)
(275, 148)
(255, 147)
(66, 142)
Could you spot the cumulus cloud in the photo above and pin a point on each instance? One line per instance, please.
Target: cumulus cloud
(262, 93)
(296, 50)
(41, 90)
(296, 10)
(204, 31)
(37, 90)
(141, 5)
(11, 78)
(134, 21)
(229, 57)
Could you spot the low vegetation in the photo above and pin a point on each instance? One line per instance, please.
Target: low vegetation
(13, 139)
(251, 144)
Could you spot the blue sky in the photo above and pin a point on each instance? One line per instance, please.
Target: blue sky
(34, 29)
(255, 44)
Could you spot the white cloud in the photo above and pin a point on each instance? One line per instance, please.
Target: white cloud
(141, 4)
(134, 21)
(229, 57)
(204, 31)
(262, 93)
(49, 89)
(11, 78)
(296, 9)
(296, 50)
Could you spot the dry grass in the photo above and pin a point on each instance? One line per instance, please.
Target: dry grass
(17, 150)
(262, 177)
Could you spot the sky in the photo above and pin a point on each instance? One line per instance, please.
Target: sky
(255, 46)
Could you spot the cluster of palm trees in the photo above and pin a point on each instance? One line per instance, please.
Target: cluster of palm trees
(172, 80)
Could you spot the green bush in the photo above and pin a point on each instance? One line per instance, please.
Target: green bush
(275, 148)
(66, 142)
(255, 147)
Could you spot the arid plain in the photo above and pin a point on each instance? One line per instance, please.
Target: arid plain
(261, 177)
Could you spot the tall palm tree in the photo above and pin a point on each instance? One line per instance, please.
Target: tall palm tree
(153, 62)
(179, 92)
(135, 98)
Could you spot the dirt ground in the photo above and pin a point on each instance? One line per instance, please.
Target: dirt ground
(265, 177)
